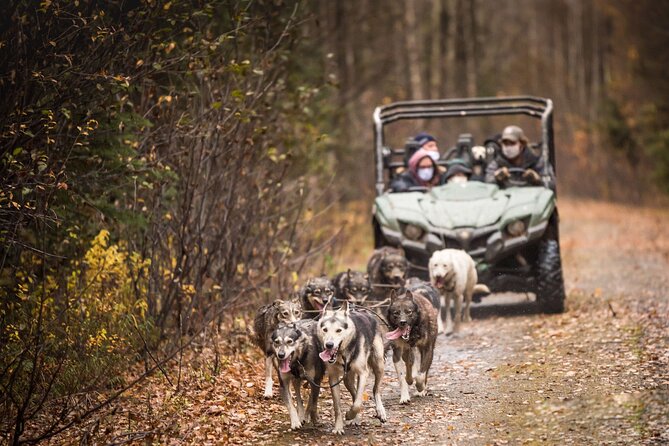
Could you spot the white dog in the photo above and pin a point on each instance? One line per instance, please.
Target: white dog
(453, 273)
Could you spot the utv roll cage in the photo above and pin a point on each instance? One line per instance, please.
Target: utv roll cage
(540, 108)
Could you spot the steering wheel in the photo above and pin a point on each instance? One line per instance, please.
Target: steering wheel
(516, 176)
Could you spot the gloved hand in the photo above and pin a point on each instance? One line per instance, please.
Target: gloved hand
(502, 174)
(532, 176)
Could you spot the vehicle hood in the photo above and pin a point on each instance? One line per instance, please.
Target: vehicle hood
(473, 204)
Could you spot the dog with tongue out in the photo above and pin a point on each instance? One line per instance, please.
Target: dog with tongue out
(297, 358)
(351, 346)
(413, 331)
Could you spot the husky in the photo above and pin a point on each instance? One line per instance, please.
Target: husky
(453, 273)
(352, 286)
(266, 321)
(295, 349)
(387, 269)
(413, 324)
(351, 345)
(315, 294)
(428, 290)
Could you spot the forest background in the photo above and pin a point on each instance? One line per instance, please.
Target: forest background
(164, 163)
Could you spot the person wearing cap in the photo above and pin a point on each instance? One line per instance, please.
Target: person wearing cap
(515, 153)
(423, 172)
(457, 172)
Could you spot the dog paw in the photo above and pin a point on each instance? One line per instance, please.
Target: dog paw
(354, 422)
(308, 418)
(338, 430)
(405, 399)
(382, 416)
(352, 413)
(267, 394)
(420, 384)
(295, 425)
(421, 393)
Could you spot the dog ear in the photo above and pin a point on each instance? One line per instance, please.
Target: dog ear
(346, 307)
(393, 295)
(408, 295)
(326, 305)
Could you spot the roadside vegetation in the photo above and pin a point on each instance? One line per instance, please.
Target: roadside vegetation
(148, 184)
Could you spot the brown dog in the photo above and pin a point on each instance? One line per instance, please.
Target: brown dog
(387, 269)
(413, 324)
(269, 317)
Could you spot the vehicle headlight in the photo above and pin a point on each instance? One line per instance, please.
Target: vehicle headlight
(413, 232)
(516, 228)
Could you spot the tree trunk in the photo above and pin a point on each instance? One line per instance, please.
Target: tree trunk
(414, 59)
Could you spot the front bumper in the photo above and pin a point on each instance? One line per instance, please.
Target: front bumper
(487, 244)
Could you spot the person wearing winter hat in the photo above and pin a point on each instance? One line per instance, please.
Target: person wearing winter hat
(429, 143)
(515, 153)
(457, 172)
(422, 172)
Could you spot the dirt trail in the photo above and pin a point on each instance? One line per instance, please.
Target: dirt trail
(598, 374)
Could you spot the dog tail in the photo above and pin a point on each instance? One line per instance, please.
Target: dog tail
(481, 288)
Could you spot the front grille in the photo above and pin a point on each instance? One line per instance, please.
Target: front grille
(450, 243)
(479, 242)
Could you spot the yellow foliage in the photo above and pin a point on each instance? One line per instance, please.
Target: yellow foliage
(112, 281)
(93, 316)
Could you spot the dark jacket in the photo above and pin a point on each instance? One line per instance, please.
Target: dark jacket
(529, 160)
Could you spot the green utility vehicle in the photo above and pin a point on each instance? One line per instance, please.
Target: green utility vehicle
(511, 233)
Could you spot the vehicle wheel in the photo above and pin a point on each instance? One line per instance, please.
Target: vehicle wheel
(550, 284)
(379, 240)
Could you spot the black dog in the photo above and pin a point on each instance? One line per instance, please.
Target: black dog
(352, 286)
(387, 270)
(315, 294)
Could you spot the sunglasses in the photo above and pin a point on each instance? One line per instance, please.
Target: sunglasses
(508, 142)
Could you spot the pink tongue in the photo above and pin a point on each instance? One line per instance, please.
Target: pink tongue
(396, 333)
(326, 355)
(285, 365)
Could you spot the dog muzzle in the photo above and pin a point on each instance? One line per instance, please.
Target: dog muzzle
(444, 282)
(329, 355)
(316, 301)
(284, 364)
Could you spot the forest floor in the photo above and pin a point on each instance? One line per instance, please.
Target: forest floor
(597, 374)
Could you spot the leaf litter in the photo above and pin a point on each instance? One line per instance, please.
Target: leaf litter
(597, 374)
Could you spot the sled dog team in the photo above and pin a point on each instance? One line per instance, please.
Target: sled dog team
(341, 328)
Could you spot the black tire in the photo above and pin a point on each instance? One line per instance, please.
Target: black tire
(550, 284)
(379, 240)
